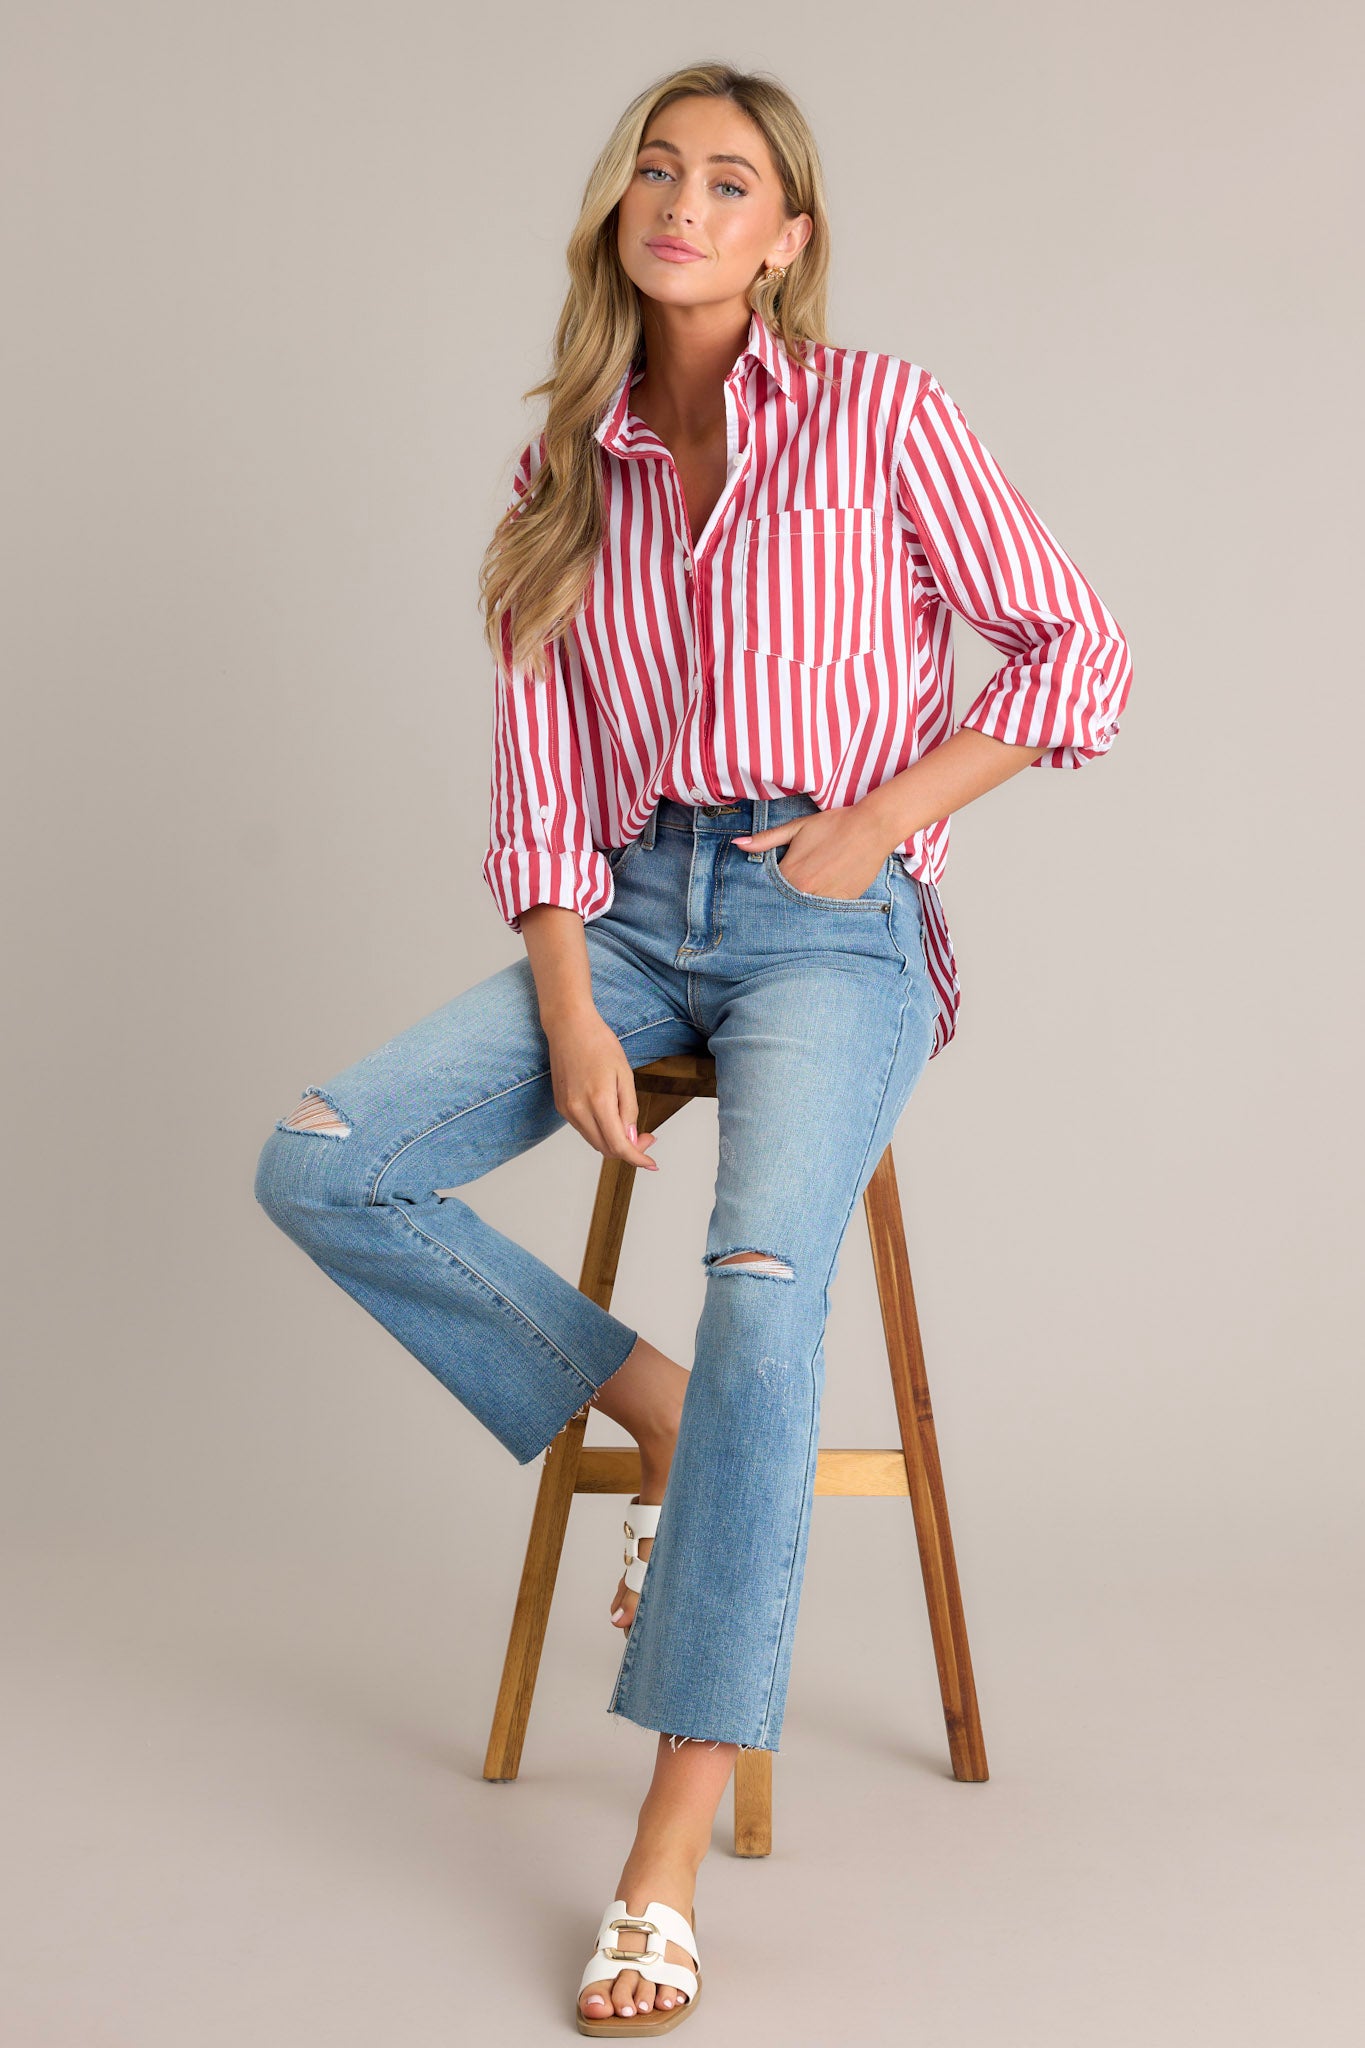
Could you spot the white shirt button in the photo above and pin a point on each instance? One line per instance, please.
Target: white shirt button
(545, 810)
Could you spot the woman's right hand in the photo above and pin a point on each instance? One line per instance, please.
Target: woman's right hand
(594, 1088)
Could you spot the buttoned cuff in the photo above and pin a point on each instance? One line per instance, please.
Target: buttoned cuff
(520, 878)
(1049, 719)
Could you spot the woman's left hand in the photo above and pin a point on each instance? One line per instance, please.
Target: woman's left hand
(831, 853)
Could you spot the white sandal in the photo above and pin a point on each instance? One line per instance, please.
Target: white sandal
(640, 1522)
(659, 1924)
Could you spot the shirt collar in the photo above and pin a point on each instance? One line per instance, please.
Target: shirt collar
(761, 344)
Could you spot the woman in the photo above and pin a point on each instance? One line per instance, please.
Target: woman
(721, 601)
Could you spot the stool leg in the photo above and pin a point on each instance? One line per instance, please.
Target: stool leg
(754, 1802)
(532, 1611)
(891, 1262)
(554, 1496)
(558, 1479)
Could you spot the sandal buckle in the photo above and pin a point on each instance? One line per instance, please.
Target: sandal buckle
(631, 1955)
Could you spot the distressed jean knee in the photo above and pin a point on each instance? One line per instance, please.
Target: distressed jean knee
(315, 1113)
(309, 1167)
(755, 1264)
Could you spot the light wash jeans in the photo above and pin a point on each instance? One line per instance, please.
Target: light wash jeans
(820, 1015)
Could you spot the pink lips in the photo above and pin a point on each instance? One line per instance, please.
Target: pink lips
(672, 251)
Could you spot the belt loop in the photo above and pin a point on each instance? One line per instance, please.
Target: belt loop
(760, 823)
(647, 835)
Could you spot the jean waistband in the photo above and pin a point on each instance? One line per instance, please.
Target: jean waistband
(737, 814)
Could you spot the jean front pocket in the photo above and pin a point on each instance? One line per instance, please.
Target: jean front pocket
(813, 583)
(874, 897)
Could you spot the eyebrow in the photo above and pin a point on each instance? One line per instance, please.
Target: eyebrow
(673, 150)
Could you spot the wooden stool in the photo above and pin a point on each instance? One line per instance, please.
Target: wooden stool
(663, 1087)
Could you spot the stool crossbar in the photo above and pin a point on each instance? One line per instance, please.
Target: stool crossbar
(571, 1467)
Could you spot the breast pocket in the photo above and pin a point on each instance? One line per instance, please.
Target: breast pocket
(813, 582)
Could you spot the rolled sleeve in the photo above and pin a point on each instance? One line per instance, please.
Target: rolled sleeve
(519, 880)
(1065, 679)
(540, 844)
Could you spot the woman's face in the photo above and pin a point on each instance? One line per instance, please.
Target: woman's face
(704, 182)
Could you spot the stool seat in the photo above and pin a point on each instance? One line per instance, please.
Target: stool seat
(909, 1469)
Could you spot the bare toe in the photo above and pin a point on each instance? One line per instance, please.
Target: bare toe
(623, 1606)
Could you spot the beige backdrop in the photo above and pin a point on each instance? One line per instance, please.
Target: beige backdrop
(276, 276)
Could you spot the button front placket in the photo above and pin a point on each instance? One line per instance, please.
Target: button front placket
(627, 435)
(738, 452)
(699, 550)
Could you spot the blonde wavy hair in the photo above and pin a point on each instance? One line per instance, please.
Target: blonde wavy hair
(540, 559)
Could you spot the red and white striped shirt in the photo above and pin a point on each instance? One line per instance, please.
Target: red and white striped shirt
(802, 641)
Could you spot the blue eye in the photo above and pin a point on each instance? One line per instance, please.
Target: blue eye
(725, 184)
